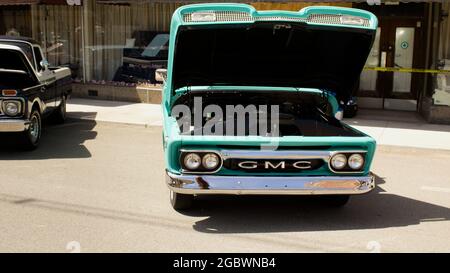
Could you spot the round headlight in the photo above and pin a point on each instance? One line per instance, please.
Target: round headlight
(356, 161)
(210, 161)
(11, 108)
(192, 161)
(338, 161)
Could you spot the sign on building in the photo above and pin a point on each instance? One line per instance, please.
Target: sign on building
(74, 2)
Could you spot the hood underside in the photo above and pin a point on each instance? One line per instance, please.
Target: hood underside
(272, 54)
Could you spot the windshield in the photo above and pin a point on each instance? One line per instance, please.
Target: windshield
(26, 48)
(149, 45)
(14, 72)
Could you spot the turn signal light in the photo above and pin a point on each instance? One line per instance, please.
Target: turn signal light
(203, 16)
(352, 20)
(9, 92)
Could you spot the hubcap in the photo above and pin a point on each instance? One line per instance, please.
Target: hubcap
(34, 128)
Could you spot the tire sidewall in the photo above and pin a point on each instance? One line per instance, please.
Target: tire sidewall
(180, 201)
(32, 142)
(63, 109)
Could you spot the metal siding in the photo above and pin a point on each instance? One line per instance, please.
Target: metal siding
(445, 33)
(30, 2)
(18, 2)
(262, 1)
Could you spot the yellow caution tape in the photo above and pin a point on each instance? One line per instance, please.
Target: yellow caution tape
(406, 70)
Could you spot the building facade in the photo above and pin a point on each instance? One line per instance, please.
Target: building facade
(91, 37)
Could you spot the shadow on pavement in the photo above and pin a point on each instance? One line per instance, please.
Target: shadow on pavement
(57, 141)
(83, 115)
(90, 211)
(270, 214)
(260, 214)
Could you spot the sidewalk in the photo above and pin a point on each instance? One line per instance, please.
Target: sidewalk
(113, 111)
(401, 129)
(387, 127)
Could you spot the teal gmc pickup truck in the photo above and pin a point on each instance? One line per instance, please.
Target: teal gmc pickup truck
(250, 102)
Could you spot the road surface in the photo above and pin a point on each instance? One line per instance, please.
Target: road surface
(99, 187)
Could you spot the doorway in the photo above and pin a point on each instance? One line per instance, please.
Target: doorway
(398, 44)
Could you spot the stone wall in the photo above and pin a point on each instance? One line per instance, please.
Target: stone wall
(117, 93)
(439, 114)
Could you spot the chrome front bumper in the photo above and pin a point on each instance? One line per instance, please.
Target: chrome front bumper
(13, 125)
(275, 185)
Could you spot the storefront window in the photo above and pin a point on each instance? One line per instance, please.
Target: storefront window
(15, 20)
(368, 79)
(103, 43)
(127, 43)
(59, 30)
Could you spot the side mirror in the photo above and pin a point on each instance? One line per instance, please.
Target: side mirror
(161, 75)
(44, 64)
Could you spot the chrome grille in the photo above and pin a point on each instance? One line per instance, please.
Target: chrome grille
(325, 19)
(224, 16)
(288, 165)
(330, 19)
(279, 18)
(232, 16)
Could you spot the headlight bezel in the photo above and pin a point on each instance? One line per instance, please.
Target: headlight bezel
(19, 104)
(202, 169)
(347, 168)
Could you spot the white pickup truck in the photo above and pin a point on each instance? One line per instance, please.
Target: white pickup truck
(30, 89)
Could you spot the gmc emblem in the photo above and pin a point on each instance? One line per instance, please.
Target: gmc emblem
(302, 165)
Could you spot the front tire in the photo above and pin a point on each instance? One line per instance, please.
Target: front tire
(32, 136)
(181, 201)
(61, 112)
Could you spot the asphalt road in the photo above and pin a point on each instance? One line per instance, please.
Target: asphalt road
(100, 188)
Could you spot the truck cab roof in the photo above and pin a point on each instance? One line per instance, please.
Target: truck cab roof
(20, 38)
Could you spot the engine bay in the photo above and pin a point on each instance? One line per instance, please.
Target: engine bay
(279, 113)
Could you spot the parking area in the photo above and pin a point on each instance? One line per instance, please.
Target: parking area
(99, 186)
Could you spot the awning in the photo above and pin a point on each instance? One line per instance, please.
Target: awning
(59, 2)
(18, 2)
(30, 2)
(65, 2)
(282, 1)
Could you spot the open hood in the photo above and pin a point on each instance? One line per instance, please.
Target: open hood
(271, 53)
(15, 70)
